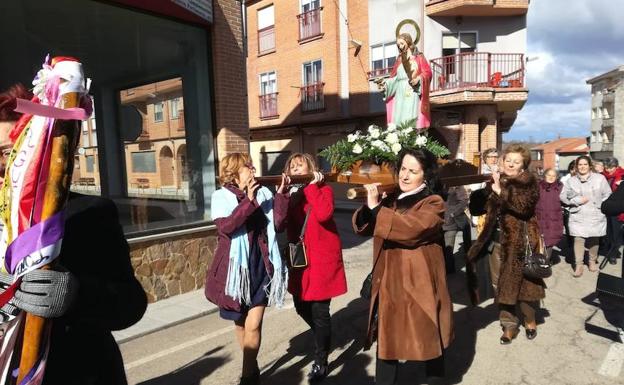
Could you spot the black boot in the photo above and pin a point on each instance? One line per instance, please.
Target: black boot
(318, 372)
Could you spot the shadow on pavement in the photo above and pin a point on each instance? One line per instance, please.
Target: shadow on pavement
(193, 372)
(348, 331)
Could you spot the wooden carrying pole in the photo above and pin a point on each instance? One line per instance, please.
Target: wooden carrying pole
(64, 142)
(361, 192)
(275, 180)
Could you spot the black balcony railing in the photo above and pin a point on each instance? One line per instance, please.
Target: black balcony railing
(310, 24)
(478, 70)
(266, 40)
(312, 97)
(268, 106)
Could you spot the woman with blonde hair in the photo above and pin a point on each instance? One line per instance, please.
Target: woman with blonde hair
(247, 273)
(509, 202)
(311, 209)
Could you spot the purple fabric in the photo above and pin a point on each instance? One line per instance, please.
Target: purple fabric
(549, 212)
(43, 234)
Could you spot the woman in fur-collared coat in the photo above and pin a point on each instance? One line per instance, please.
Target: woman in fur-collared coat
(410, 310)
(509, 202)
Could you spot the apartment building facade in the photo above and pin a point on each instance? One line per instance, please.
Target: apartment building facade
(310, 66)
(607, 114)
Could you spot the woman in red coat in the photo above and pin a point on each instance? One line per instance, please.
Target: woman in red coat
(323, 278)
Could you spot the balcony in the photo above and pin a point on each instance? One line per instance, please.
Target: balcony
(268, 106)
(266, 40)
(312, 97)
(379, 73)
(600, 146)
(310, 25)
(479, 77)
(606, 123)
(609, 97)
(435, 8)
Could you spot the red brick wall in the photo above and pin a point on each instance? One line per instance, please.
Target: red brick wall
(230, 89)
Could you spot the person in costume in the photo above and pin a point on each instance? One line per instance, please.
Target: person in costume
(247, 273)
(406, 91)
(323, 278)
(91, 292)
(410, 308)
(509, 202)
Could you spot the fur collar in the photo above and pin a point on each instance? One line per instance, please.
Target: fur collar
(524, 179)
(408, 201)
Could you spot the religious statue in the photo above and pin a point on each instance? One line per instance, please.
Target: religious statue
(406, 91)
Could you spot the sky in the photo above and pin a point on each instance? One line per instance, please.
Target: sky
(569, 42)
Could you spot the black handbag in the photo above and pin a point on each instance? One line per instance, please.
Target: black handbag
(297, 251)
(367, 286)
(535, 265)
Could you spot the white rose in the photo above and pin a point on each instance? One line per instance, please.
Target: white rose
(392, 138)
(374, 133)
(352, 138)
(378, 144)
(391, 127)
(407, 131)
(372, 127)
(357, 149)
(421, 140)
(396, 147)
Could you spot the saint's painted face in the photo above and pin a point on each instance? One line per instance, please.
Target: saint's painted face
(513, 164)
(298, 166)
(582, 167)
(550, 176)
(401, 45)
(411, 174)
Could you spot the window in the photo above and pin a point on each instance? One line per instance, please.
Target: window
(268, 95)
(90, 160)
(383, 57)
(144, 161)
(155, 65)
(452, 45)
(273, 162)
(312, 98)
(174, 107)
(266, 30)
(309, 19)
(309, 5)
(158, 112)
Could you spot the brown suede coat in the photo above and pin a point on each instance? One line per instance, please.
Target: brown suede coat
(515, 205)
(409, 279)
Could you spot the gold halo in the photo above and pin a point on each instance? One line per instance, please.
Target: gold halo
(412, 22)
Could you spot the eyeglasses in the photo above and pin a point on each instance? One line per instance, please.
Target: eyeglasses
(492, 156)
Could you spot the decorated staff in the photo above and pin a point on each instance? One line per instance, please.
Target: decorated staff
(36, 188)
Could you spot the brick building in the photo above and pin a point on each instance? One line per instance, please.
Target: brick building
(310, 64)
(607, 114)
(557, 154)
(169, 95)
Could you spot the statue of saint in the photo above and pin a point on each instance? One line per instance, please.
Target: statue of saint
(406, 91)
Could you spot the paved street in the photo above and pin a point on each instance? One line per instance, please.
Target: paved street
(203, 351)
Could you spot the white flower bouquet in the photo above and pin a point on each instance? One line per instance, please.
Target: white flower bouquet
(380, 145)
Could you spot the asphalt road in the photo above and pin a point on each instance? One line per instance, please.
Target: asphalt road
(204, 351)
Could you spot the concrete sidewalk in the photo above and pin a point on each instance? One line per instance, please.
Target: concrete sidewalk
(168, 312)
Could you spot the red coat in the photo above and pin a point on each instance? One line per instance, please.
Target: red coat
(324, 277)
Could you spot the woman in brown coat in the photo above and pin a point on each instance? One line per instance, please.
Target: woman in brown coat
(411, 312)
(509, 202)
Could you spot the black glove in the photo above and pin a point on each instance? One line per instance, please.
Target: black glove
(45, 293)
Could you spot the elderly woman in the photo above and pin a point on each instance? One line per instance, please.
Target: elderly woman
(247, 273)
(410, 310)
(584, 193)
(509, 201)
(549, 210)
(314, 285)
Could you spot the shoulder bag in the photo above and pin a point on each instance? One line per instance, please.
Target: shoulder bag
(297, 251)
(535, 265)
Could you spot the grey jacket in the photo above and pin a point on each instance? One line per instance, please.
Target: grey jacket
(586, 220)
(456, 204)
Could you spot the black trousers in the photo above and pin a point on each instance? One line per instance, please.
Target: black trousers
(316, 315)
(387, 371)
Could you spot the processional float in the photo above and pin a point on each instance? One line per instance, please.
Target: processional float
(32, 201)
(369, 157)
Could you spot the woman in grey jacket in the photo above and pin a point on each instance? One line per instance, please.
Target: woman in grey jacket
(584, 193)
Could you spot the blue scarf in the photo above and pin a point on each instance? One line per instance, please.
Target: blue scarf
(237, 284)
